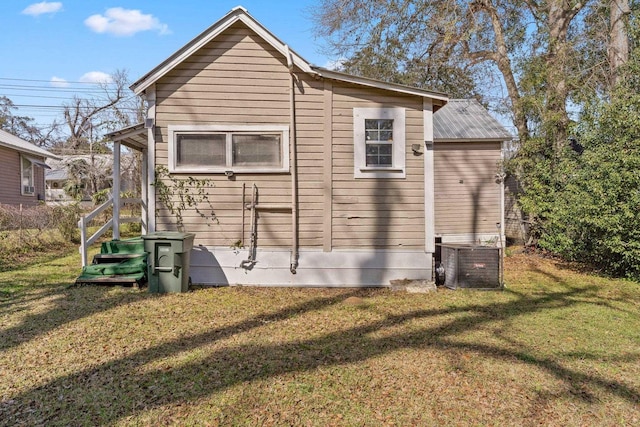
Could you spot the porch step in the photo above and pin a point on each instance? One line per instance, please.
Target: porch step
(131, 280)
(126, 246)
(112, 258)
(120, 262)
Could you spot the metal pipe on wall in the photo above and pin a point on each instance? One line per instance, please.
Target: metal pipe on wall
(294, 167)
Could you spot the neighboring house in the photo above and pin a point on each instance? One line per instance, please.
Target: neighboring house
(349, 181)
(55, 180)
(98, 165)
(22, 166)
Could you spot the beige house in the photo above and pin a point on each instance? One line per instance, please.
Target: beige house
(317, 178)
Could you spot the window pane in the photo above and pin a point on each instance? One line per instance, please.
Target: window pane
(257, 150)
(378, 129)
(379, 155)
(201, 150)
(27, 176)
(386, 135)
(370, 124)
(385, 124)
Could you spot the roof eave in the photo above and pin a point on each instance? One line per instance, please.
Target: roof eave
(46, 155)
(132, 136)
(462, 139)
(364, 81)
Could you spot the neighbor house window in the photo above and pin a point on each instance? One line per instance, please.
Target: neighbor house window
(215, 148)
(379, 142)
(26, 177)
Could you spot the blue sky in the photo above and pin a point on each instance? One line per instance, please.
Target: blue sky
(49, 47)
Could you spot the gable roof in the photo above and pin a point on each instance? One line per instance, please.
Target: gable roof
(11, 141)
(240, 14)
(468, 120)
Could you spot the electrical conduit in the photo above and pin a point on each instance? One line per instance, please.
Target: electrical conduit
(294, 166)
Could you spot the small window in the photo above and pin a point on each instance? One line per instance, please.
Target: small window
(379, 142)
(220, 148)
(27, 186)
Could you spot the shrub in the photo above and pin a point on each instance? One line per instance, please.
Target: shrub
(66, 220)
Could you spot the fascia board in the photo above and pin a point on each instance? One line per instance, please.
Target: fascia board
(462, 139)
(380, 85)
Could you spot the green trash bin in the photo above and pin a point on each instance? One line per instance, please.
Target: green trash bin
(168, 260)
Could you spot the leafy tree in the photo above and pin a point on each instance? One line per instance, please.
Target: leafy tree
(587, 205)
(459, 46)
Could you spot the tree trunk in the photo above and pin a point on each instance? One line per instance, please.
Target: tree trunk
(503, 62)
(618, 40)
(555, 117)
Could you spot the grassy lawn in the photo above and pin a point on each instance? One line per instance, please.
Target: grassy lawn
(557, 347)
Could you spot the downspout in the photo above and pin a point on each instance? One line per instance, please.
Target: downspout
(294, 166)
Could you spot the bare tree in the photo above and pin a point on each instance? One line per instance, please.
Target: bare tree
(88, 119)
(473, 37)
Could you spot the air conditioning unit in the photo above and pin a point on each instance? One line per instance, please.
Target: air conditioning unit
(471, 266)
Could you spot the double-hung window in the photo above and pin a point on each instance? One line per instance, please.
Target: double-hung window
(379, 142)
(26, 177)
(234, 148)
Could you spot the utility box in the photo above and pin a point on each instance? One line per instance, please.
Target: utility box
(168, 260)
(471, 266)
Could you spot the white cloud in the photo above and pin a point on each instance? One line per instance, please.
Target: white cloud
(124, 22)
(59, 82)
(42, 8)
(96, 77)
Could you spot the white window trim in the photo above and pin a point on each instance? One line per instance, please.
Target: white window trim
(33, 178)
(397, 169)
(176, 129)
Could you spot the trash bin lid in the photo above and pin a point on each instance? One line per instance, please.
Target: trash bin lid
(168, 235)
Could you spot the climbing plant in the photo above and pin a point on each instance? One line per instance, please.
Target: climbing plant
(180, 194)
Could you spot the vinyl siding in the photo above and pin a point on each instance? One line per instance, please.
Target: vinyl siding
(10, 180)
(375, 212)
(467, 194)
(238, 78)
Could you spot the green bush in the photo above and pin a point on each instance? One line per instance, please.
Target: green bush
(586, 207)
(66, 220)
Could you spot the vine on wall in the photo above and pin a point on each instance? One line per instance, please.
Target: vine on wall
(180, 194)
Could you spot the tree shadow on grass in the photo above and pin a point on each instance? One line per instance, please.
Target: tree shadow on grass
(123, 388)
(61, 302)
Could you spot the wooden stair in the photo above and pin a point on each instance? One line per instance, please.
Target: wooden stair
(120, 262)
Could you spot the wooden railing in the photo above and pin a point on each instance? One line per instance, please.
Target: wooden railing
(113, 223)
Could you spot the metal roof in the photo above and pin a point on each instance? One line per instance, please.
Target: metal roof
(467, 120)
(56, 175)
(19, 144)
